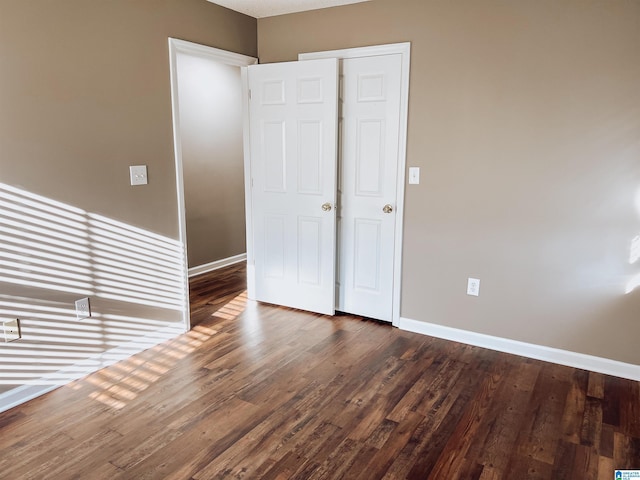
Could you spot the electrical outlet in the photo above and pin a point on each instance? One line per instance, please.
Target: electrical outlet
(473, 287)
(83, 308)
(138, 174)
(11, 330)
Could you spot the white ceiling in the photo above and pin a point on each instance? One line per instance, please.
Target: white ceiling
(269, 8)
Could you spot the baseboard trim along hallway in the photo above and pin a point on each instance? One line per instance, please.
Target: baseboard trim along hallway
(210, 267)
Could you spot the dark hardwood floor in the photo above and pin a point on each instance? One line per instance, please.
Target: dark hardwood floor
(257, 391)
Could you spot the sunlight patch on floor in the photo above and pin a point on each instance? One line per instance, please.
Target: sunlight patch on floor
(122, 382)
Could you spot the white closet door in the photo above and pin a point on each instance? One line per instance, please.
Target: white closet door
(293, 142)
(370, 98)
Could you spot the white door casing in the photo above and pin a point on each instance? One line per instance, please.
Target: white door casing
(368, 172)
(293, 156)
(356, 267)
(177, 47)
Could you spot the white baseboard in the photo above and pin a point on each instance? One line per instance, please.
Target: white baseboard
(23, 394)
(210, 267)
(37, 387)
(530, 350)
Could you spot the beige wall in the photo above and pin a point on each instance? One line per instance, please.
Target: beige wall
(84, 93)
(210, 97)
(525, 119)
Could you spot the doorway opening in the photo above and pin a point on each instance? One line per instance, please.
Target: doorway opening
(208, 109)
(179, 48)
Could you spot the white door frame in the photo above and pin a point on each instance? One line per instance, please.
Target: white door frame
(403, 49)
(221, 56)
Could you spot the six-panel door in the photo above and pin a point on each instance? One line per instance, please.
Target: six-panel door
(370, 100)
(293, 141)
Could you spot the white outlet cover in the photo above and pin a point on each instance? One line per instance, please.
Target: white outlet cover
(138, 174)
(83, 308)
(473, 287)
(11, 330)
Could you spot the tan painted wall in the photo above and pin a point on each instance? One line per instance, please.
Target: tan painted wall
(525, 119)
(210, 97)
(84, 93)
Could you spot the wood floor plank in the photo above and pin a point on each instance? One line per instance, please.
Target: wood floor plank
(591, 422)
(574, 408)
(539, 436)
(611, 401)
(630, 409)
(256, 391)
(585, 464)
(606, 441)
(389, 451)
(503, 420)
(454, 456)
(595, 387)
(565, 458)
(626, 452)
(444, 427)
(489, 473)
(531, 469)
(605, 467)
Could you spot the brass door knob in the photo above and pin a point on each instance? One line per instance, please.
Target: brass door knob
(387, 208)
(326, 207)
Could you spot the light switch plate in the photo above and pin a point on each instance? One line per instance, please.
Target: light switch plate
(138, 174)
(414, 175)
